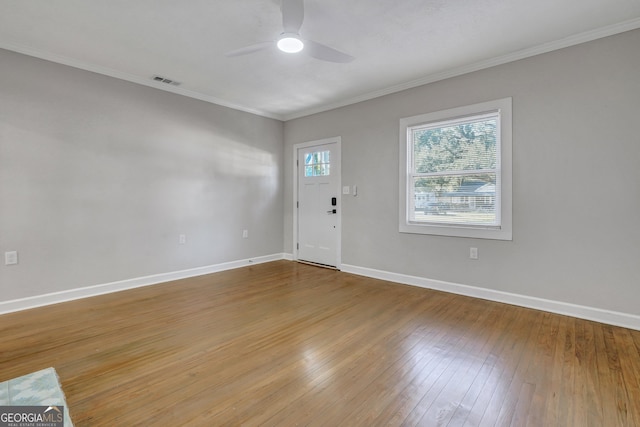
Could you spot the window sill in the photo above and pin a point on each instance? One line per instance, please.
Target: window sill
(476, 232)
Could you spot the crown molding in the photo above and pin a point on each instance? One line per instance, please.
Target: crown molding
(573, 40)
(569, 41)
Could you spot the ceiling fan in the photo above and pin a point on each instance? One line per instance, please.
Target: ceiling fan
(290, 40)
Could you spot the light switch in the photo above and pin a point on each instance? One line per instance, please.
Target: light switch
(11, 258)
(345, 189)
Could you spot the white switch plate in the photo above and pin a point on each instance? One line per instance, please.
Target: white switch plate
(245, 234)
(182, 239)
(345, 189)
(11, 258)
(473, 253)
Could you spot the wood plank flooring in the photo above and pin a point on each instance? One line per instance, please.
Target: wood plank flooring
(285, 344)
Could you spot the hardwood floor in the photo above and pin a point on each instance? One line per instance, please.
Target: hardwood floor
(287, 344)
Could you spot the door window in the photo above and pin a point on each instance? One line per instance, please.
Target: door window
(317, 163)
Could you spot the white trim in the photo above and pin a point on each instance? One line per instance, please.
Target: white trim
(71, 62)
(625, 320)
(334, 140)
(573, 40)
(287, 256)
(121, 285)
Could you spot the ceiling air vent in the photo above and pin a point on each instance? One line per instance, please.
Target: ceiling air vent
(165, 80)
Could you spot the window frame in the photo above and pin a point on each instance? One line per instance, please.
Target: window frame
(501, 231)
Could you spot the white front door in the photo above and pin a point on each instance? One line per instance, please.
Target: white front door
(318, 207)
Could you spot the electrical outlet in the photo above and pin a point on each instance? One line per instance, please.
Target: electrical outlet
(11, 258)
(245, 234)
(346, 189)
(473, 253)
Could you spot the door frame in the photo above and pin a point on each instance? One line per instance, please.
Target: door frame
(304, 145)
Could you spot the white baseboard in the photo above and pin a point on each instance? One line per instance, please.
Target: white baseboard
(583, 312)
(625, 320)
(90, 291)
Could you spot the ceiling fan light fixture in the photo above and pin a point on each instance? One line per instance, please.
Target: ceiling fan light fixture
(290, 43)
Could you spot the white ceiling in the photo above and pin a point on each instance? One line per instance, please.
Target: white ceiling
(397, 43)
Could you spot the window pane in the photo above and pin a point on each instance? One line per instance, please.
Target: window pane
(457, 199)
(465, 146)
(317, 163)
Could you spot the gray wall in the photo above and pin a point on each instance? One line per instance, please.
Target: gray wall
(99, 177)
(576, 195)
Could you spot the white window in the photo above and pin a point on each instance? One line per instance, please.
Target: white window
(455, 172)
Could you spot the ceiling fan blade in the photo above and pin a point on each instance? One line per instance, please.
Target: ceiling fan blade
(249, 49)
(292, 15)
(326, 53)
